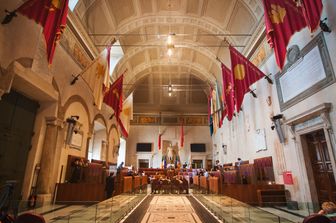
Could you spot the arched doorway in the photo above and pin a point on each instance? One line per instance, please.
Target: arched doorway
(98, 143)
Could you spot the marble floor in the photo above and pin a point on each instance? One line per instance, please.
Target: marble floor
(170, 208)
(111, 210)
(231, 210)
(164, 208)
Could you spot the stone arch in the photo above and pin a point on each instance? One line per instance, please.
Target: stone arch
(72, 99)
(142, 75)
(100, 116)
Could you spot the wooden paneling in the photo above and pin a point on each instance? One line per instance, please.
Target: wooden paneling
(204, 183)
(196, 182)
(80, 193)
(213, 185)
(136, 183)
(271, 197)
(248, 192)
(127, 185)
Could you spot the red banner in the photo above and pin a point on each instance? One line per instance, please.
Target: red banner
(182, 136)
(51, 14)
(312, 10)
(159, 141)
(282, 19)
(228, 92)
(114, 97)
(244, 73)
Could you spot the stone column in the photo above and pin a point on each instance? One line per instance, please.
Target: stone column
(107, 151)
(45, 178)
(103, 151)
(6, 80)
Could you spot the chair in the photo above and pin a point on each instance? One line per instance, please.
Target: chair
(156, 186)
(165, 186)
(30, 218)
(316, 218)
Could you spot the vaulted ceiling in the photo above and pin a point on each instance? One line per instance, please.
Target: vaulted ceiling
(201, 31)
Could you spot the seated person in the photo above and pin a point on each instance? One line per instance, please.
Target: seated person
(329, 210)
(206, 173)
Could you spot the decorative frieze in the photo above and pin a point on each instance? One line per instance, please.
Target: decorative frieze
(156, 119)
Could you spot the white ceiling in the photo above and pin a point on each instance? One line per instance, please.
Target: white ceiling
(200, 27)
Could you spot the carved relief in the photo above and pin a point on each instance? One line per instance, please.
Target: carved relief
(147, 120)
(74, 49)
(79, 56)
(261, 54)
(173, 120)
(194, 121)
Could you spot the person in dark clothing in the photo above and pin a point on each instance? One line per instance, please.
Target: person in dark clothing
(76, 171)
(109, 186)
(5, 217)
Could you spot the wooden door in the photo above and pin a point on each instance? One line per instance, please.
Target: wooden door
(321, 165)
(17, 117)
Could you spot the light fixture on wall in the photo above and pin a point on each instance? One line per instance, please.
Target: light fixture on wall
(276, 119)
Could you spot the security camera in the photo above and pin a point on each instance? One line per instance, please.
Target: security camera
(273, 127)
(275, 117)
(324, 26)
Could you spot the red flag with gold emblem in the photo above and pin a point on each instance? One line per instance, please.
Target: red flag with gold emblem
(182, 136)
(114, 97)
(51, 14)
(159, 141)
(312, 10)
(282, 19)
(244, 73)
(228, 92)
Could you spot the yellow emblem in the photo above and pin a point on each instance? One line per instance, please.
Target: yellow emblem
(115, 91)
(228, 89)
(100, 70)
(277, 14)
(56, 3)
(239, 72)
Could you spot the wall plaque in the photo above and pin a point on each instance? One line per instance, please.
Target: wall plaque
(76, 140)
(310, 73)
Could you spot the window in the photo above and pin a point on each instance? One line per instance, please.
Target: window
(115, 55)
(144, 147)
(72, 4)
(197, 148)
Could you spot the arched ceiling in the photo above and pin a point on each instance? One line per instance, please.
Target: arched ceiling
(202, 28)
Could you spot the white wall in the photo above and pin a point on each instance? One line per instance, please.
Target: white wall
(149, 134)
(98, 138)
(239, 136)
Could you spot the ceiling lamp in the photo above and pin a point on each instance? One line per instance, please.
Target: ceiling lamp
(170, 90)
(170, 45)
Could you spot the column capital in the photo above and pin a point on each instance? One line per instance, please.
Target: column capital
(55, 121)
